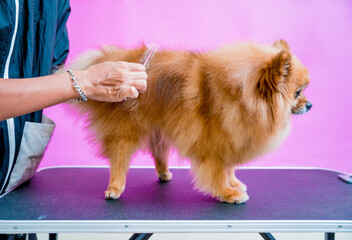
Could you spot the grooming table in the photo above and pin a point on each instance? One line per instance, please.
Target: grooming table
(71, 199)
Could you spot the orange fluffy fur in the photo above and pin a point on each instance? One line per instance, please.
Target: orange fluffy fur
(219, 108)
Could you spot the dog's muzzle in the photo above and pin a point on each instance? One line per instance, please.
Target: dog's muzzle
(303, 109)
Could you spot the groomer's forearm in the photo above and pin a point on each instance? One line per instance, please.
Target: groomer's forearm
(21, 96)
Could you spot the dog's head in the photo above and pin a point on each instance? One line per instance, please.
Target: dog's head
(284, 74)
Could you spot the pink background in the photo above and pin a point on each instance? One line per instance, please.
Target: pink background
(318, 31)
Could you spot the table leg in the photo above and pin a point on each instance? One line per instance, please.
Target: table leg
(267, 236)
(141, 236)
(52, 236)
(17, 237)
(329, 236)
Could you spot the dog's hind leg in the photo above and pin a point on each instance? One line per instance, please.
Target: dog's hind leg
(160, 150)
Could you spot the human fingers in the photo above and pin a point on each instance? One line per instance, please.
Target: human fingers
(134, 66)
(128, 93)
(137, 75)
(140, 85)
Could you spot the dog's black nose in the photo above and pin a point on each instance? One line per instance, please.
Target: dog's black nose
(309, 105)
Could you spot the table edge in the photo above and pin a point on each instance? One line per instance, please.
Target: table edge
(185, 226)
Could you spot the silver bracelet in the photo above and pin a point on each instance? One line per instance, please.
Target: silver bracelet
(83, 97)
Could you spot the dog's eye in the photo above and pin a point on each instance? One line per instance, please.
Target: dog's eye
(297, 93)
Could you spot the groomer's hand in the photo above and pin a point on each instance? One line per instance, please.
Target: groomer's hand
(113, 81)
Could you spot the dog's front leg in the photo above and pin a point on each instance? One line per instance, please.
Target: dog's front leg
(212, 177)
(233, 181)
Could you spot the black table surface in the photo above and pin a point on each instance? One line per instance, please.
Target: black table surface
(278, 195)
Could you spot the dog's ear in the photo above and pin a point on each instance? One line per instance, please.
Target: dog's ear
(274, 73)
(281, 45)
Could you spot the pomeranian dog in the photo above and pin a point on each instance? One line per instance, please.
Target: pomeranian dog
(219, 108)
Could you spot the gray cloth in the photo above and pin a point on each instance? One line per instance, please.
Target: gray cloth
(35, 138)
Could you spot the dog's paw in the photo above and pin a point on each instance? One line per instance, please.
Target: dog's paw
(242, 186)
(238, 185)
(235, 197)
(165, 177)
(113, 193)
